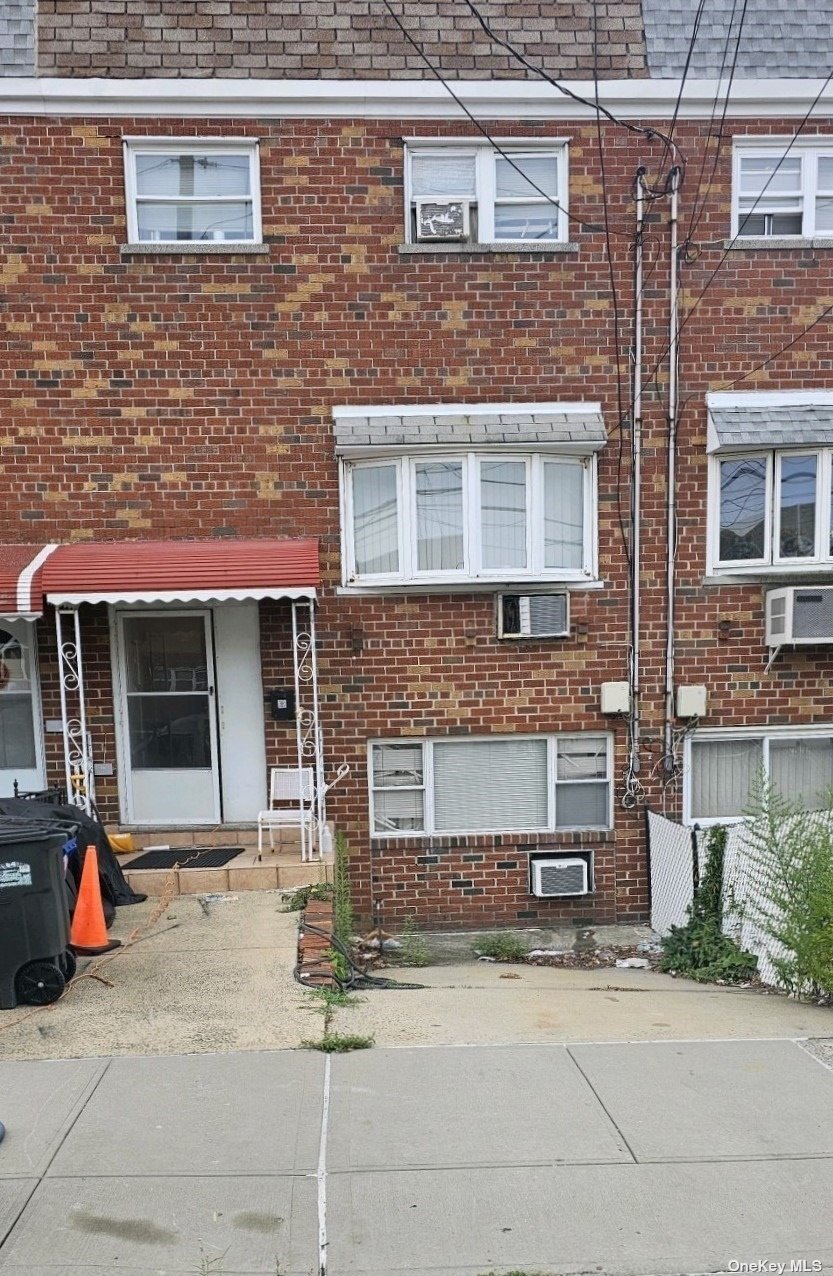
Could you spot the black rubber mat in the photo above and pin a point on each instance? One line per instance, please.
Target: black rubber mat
(186, 857)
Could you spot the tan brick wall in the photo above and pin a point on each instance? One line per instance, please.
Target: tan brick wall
(311, 39)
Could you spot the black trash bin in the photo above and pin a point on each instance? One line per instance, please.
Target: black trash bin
(35, 960)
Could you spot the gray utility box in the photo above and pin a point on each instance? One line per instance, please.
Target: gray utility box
(35, 963)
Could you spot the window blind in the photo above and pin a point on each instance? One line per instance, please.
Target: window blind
(449, 174)
(722, 776)
(490, 784)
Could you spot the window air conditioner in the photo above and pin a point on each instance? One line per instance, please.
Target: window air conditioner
(533, 616)
(799, 616)
(562, 875)
(440, 219)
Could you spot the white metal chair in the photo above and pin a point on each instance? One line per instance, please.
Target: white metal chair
(291, 805)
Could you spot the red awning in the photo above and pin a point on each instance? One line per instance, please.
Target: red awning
(180, 571)
(21, 569)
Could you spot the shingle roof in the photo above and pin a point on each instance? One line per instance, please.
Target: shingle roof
(773, 426)
(478, 428)
(780, 38)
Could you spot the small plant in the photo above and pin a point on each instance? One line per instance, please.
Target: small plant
(502, 946)
(342, 903)
(339, 1043)
(414, 950)
(700, 950)
(299, 899)
(339, 963)
(332, 999)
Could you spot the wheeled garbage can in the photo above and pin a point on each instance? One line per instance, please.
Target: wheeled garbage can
(35, 960)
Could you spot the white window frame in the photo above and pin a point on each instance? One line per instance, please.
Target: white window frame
(809, 150)
(772, 559)
(427, 745)
(134, 146)
(473, 572)
(485, 182)
(811, 731)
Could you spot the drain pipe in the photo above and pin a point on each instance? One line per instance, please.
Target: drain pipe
(632, 782)
(671, 522)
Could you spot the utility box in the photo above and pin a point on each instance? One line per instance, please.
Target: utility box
(692, 702)
(615, 697)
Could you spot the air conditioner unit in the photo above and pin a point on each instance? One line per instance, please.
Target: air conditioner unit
(559, 875)
(533, 616)
(801, 615)
(442, 219)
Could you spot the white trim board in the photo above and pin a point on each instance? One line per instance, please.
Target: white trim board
(481, 408)
(216, 98)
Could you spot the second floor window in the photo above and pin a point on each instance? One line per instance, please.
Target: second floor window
(780, 194)
(775, 508)
(471, 516)
(477, 194)
(200, 191)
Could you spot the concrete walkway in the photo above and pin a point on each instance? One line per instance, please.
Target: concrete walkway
(658, 1157)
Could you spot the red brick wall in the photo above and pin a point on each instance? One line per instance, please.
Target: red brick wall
(185, 396)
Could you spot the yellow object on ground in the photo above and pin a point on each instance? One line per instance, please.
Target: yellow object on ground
(122, 843)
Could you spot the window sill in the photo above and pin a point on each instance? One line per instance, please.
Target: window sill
(416, 250)
(197, 248)
(470, 587)
(813, 573)
(777, 241)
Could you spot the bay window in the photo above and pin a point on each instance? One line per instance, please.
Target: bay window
(773, 508)
(491, 784)
(470, 516)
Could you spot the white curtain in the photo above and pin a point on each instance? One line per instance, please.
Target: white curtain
(439, 508)
(490, 784)
(443, 175)
(722, 775)
(563, 514)
(375, 523)
(503, 513)
(802, 770)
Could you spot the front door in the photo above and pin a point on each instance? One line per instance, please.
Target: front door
(21, 738)
(169, 722)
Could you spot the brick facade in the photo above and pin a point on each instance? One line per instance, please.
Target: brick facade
(164, 395)
(310, 39)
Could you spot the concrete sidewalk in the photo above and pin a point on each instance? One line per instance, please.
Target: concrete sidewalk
(657, 1157)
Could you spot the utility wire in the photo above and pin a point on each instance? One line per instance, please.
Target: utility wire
(669, 143)
(435, 71)
(697, 213)
(640, 129)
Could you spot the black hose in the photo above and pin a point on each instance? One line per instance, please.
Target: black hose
(358, 977)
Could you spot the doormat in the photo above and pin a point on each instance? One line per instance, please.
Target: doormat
(186, 857)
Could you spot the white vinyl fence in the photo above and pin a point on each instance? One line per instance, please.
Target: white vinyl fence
(671, 849)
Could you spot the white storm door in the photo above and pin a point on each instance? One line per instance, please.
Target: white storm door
(21, 725)
(169, 720)
(240, 710)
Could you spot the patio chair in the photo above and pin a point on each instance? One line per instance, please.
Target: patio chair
(291, 805)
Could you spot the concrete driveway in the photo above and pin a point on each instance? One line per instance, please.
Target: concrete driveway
(657, 1157)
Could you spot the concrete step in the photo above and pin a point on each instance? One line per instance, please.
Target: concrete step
(281, 871)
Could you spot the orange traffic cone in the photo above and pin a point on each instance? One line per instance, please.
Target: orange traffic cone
(88, 937)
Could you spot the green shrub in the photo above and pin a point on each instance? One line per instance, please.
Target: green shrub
(700, 950)
(342, 902)
(503, 946)
(791, 871)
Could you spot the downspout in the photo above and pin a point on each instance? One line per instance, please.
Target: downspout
(636, 499)
(671, 522)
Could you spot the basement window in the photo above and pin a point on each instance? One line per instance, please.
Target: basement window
(722, 770)
(491, 784)
(200, 191)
